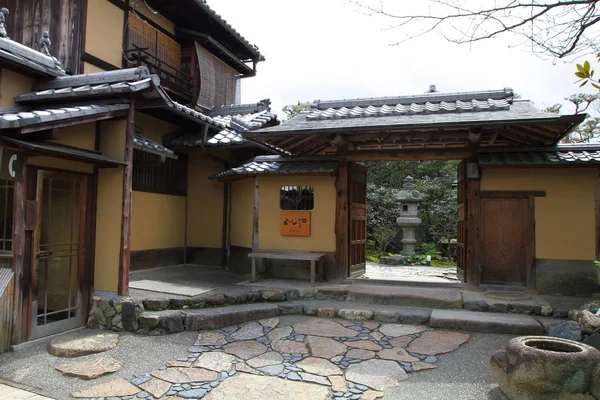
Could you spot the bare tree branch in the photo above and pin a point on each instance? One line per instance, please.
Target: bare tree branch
(558, 28)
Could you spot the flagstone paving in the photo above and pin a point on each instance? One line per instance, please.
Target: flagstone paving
(285, 358)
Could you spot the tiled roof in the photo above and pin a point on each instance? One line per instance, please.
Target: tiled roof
(273, 165)
(142, 143)
(27, 57)
(408, 112)
(560, 155)
(11, 118)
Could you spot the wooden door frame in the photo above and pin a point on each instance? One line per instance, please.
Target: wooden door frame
(351, 217)
(86, 259)
(529, 196)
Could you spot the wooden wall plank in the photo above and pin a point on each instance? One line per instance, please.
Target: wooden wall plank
(473, 238)
(341, 221)
(18, 262)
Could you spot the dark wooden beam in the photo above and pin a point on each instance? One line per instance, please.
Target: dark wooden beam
(98, 62)
(511, 194)
(18, 261)
(341, 221)
(299, 142)
(530, 242)
(125, 252)
(255, 217)
(419, 154)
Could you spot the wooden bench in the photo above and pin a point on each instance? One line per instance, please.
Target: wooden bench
(314, 258)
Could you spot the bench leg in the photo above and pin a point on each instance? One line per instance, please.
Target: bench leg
(253, 270)
(312, 273)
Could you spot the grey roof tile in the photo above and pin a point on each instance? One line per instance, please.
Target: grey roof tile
(559, 155)
(273, 165)
(29, 58)
(142, 143)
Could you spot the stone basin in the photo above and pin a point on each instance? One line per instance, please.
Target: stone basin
(540, 367)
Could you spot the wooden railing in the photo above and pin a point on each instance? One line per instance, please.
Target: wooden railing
(7, 283)
(171, 77)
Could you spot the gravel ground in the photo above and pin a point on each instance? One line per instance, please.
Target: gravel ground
(462, 375)
(34, 366)
(382, 271)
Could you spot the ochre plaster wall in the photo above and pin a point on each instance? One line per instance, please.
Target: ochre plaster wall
(11, 85)
(82, 136)
(90, 68)
(104, 31)
(108, 215)
(242, 212)
(322, 217)
(565, 218)
(205, 202)
(157, 221)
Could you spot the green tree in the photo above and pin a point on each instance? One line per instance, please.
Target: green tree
(291, 110)
(590, 128)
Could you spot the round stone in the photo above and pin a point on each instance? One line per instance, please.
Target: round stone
(81, 344)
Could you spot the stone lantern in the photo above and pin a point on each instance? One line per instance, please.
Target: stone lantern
(409, 202)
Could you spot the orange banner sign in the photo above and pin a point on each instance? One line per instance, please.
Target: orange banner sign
(295, 223)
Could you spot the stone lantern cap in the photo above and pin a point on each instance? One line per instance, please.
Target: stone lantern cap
(408, 194)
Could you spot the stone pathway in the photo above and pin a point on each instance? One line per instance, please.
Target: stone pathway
(290, 357)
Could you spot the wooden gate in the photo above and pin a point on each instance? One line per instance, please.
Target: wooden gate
(507, 240)
(357, 198)
(461, 235)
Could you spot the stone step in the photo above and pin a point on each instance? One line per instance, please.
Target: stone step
(517, 324)
(221, 317)
(405, 296)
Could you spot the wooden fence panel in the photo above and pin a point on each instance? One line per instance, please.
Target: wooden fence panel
(6, 307)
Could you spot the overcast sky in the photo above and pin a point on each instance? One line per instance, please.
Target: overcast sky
(325, 49)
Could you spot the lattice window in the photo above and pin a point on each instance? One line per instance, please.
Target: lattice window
(7, 191)
(150, 175)
(297, 198)
(218, 81)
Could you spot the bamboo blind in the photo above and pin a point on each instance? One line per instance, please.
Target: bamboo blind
(218, 81)
(159, 45)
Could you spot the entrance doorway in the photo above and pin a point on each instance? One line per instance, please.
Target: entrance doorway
(357, 198)
(58, 253)
(507, 240)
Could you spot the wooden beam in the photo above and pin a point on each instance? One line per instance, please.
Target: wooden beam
(125, 252)
(228, 237)
(299, 143)
(18, 264)
(341, 221)
(511, 194)
(530, 241)
(474, 241)
(255, 217)
(420, 154)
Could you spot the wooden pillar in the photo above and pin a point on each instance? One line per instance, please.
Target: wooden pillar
(598, 214)
(124, 258)
(341, 221)
(474, 242)
(18, 261)
(226, 237)
(255, 217)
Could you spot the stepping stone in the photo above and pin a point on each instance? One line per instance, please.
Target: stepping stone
(290, 347)
(184, 375)
(156, 387)
(377, 374)
(325, 347)
(90, 369)
(306, 377)
(372, 395)
(192, 394)
(396, 330)
(401, 341)
(397, 354)
(437, 342)
(405, 296)
(183, 364)
(319, 366)
(266, 359)
(364, 345)
(279, 333)
(323, 327)
(245, 350)
(272, 370)
(251, 330)
(421, 366)
(360, 354)
(216, 318)
(215, 361)
(81, 344)
(270, 322)
(115, 388)
(255, 387)
(474, 321)
(210, 339)
(338, 383)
